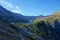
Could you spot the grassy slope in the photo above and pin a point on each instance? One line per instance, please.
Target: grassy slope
(50, 19)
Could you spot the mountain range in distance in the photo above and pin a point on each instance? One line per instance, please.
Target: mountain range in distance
(10, 16)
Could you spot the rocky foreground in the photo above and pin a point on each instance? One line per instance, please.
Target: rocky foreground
(15, 32)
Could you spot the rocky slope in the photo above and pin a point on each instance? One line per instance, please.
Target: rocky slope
(52, 21)
(12, 29)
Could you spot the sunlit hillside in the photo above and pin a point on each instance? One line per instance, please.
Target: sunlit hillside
(51, 19)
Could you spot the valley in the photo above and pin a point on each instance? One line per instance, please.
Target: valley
(15, 26)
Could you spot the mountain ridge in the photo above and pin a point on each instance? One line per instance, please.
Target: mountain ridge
(14, 26)
(17, 16)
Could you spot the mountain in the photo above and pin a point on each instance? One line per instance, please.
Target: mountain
(11, 31)
(51, 18)
(54, 20)
(7, 32)
(8, 16)
(13, 26)
(32, 18)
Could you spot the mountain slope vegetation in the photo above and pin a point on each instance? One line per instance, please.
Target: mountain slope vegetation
(15, 27)
(50, 19)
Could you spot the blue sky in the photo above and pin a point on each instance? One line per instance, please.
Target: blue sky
(32, 7)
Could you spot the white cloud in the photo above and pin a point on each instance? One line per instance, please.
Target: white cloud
(9, 5)
(17, 11)
(6, 3)
(17, 7)
(1, 1)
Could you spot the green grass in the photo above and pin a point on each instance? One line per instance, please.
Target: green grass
(50, 19)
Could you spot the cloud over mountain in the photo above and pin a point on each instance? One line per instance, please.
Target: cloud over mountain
(14, 8)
